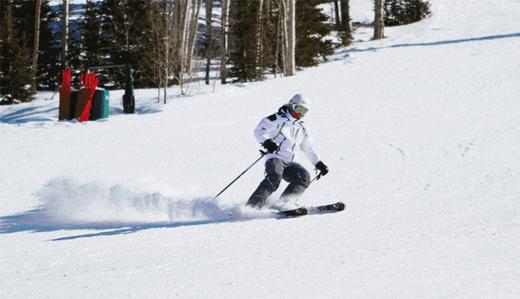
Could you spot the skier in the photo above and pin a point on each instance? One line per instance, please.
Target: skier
(281, 134)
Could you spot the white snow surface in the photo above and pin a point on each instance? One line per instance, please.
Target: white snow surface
(421, 132)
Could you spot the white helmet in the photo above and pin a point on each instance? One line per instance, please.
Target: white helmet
(299, 99)
(299, 105)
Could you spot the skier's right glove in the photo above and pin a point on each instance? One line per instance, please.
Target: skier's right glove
(322, 168)
(270, 146)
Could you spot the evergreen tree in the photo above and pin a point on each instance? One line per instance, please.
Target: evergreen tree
(243, 46)
(125, 27)
(75, 50)
(16, 64)
(92, 37)
(311, 32)
(93, 45)
(417, 10)
(19, 76)
(271, 38)
(49, 70)
(392, 9)
(257, 36)
(402, 12)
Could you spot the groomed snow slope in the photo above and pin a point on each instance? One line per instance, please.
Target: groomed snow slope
(421, 132)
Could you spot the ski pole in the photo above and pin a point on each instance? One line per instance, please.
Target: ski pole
(317, 177)
(262, 154)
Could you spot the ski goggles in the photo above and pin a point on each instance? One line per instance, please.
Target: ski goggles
(300, 109)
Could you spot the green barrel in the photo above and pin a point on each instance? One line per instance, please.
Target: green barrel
(99, 104)
(106, 108)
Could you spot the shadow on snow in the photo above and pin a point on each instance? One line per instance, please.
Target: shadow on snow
(26, 115)
(436, 43)
(35, 221)
(20, 114)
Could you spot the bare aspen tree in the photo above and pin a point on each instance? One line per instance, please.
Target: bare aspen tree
(378, 20)
(177, 36)
(184, 36)
(283, 29)
(288, 36)
(336, 15)
(259, 29)
(36, 47)
(224, 39)
(209, 38)
(158, 58)
(181, 28)
(153, 56)
(65, 33)
(193, 32)
(278, 28)
(167, 28)
(289, 32)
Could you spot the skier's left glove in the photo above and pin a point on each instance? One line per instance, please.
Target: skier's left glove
(322, 168)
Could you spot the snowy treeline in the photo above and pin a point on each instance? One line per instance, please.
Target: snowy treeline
(172, 41)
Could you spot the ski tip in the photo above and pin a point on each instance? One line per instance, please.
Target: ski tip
(340, 206)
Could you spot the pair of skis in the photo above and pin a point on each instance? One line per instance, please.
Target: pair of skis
(323, 209)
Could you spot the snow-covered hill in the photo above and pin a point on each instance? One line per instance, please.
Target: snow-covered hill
(421, 134)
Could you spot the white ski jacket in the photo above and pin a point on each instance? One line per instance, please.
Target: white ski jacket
(288, 133)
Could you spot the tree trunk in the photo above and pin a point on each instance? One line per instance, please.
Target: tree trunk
(193, 32)
(181, 29)
(378, 20)
(336, 15)
(209, 38)
(291, 38)
(158, 56)
(259, 29)
(36, 47)
(278, 43)
(283, 29)
(346, 30)
(166, 35)
(224, 40)
(65, 33)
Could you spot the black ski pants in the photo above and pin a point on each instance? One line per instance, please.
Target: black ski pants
(276, 170)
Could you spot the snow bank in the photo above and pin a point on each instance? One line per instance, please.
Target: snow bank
(68, 202)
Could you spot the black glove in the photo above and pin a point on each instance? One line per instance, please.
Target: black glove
(270, 146)
(322, 168)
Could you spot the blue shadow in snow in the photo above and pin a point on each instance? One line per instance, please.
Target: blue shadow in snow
(26, 115)
(17, 115)
(35, 221)
(138, 110)
(436, 43)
